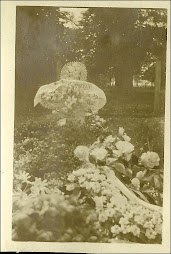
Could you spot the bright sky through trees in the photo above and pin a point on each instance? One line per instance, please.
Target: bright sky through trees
(76, 13)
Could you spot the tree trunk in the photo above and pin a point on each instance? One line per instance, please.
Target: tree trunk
(157, 87)
(127, 78)
(124, 77)
(118, 76)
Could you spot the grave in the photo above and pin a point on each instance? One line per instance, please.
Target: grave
(72, 96)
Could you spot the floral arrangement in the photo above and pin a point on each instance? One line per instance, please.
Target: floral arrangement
(118, 189)
(74, 71)
(142, 175)
(72, 96)
(102, 193)
(117, 216)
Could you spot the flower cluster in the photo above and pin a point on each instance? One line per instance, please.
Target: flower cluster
(50, 217)
(72, 98)
(118, 153)
(75, 71)
(25, 184)
(82, 153)
(94, 120)
(111, 147)
(41, 212)
(64, 98)
(116, 214)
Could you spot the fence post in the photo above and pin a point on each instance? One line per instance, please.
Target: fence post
(157, 87)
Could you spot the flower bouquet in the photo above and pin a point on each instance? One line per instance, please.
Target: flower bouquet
(121, 192)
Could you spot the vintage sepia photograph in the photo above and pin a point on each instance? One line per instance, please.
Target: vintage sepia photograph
(89, 124)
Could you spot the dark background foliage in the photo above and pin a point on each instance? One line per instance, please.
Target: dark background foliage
(110, 41)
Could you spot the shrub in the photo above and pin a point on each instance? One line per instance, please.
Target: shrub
(44, 147)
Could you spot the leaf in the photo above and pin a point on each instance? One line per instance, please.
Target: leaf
(120, 168)
(140, 195)
(76, 195)
(151, 198)
(147, 188)
(134, 159)
(136, 169)
(149, 178)
(161, 175)
(157, 181)
(129, 172)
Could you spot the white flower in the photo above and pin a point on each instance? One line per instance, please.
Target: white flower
(99, 201)
(22, 176)
(94, 177)
(99, 153)
(121, 131)
(128, 156)
(135, 230)
(124, 221)
(96, 187)
(117, 153)
(110, 212)
(79, 172)
(82, 153)
(102, 120)
(136, 182)
(140, 174)
(95, 112)
(62, 122)
(158, 228)
(126, 138)
(70, 187)
(88, 114)
(81, 179)
(71, 178)
(124, 147)
(115, 229)
(87, 185)
(150, 159)
(54, 111)
(103, 217)
(106, 192)
(70, 101)
(150, 233)
(110, 161)
(39, 186)
(109, 139)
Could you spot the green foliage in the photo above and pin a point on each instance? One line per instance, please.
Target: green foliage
(110, 41)
(44, 147)
(124, 39)
(43, 46)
